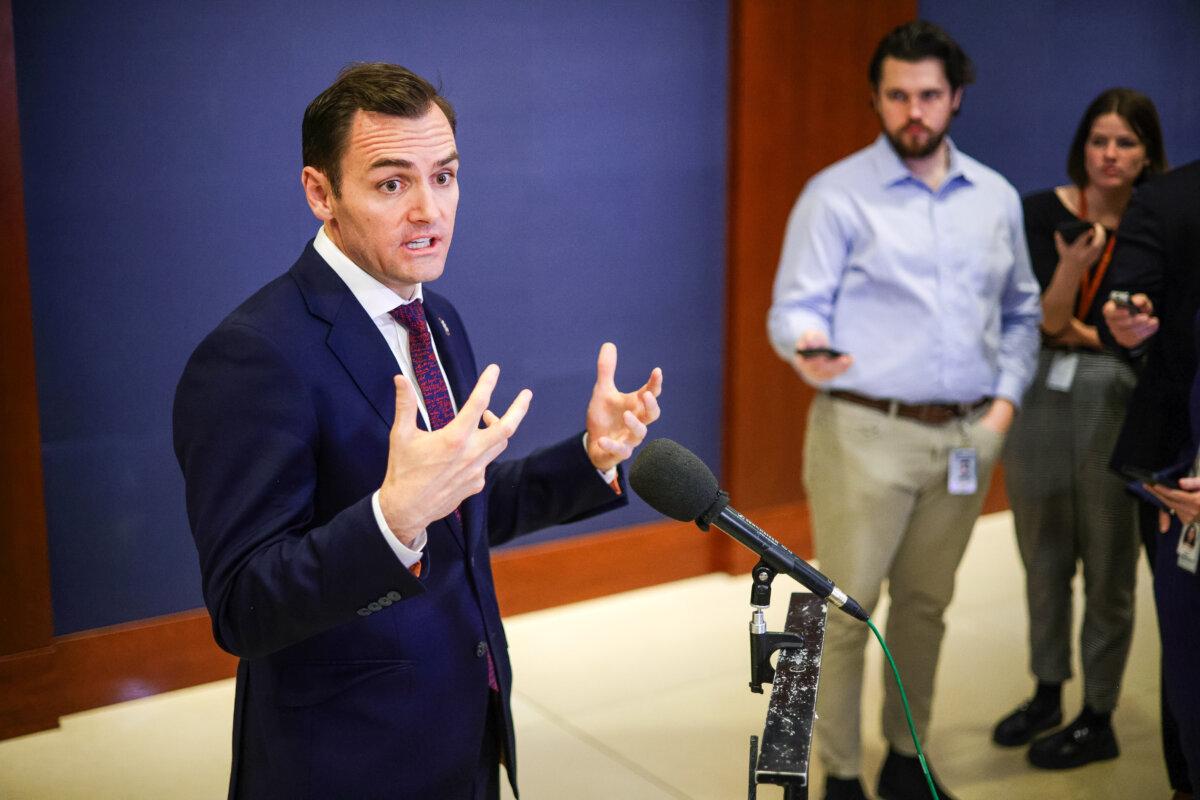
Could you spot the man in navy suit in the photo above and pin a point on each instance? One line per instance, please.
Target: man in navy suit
(343, 512)
(1157, 258)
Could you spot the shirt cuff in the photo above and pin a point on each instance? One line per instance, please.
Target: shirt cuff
(407, 555)
(609, 475)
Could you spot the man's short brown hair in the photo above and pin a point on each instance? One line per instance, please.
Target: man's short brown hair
(377, 87)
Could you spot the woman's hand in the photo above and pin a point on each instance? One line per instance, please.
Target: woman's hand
(1076, 257)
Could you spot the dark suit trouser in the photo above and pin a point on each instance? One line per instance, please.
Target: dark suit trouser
(1177, 768)
(1177, 595)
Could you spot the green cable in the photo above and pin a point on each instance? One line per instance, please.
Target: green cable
(907, 712)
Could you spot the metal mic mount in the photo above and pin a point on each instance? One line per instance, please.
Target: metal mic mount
(764, 644)
(782, 758)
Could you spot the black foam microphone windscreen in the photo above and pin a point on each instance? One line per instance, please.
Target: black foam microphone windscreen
(673, 480)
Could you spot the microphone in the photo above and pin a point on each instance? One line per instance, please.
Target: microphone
(676, 483)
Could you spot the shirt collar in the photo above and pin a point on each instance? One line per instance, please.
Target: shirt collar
(372, 295)
(892, 169)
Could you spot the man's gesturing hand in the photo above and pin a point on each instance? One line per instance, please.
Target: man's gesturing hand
(430, 473)
(616, 421)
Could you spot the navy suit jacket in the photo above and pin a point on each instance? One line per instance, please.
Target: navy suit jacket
(356, 678)
(1158, 252)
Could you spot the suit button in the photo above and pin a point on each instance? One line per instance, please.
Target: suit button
(385, 601)
(374, 606)
(362, 612)
(481, 650)
(394, 596)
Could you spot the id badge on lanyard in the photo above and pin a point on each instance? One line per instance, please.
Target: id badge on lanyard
(962, 471)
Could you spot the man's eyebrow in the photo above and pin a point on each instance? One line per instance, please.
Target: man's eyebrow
(404, 163)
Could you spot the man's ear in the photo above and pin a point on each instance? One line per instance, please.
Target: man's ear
(956, 100)
(318, 192)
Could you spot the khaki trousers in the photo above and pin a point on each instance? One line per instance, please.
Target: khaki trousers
(877, 491)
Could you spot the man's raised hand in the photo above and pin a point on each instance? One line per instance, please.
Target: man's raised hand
(430, 473)
(617, 421)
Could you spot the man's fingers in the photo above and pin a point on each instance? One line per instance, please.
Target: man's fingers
(622, 450)
(654, 383)
(652, 410)
(516, 412)
(472, 410)
(811, 338)
(635, 427)
(406, 406)
(606, 365)
(489, 418)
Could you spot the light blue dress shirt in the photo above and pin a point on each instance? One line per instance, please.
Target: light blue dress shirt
(930, 291)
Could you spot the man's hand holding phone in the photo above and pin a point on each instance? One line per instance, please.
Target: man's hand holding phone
(1183, 502)
(1130, 318)
(816, 361)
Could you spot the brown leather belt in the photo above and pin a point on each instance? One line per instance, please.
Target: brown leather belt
(928, 413)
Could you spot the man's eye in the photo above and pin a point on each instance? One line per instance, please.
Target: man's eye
(391, 187)
(444, 178)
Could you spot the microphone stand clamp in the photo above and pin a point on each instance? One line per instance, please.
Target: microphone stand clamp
(763, 643)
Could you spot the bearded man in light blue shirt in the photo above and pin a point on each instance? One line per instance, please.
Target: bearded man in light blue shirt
(905, 295)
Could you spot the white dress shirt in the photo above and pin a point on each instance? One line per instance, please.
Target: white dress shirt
(378, 301)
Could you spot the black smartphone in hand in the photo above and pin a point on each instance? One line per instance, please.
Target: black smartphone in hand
(1122, 300)
(1073, 229)
(1141, 475)
(813, 352)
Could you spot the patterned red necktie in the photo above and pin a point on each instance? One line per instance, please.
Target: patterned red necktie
(434, 390)
(425, 364)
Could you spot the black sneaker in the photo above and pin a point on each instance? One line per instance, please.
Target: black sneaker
(1027, 721)
(902, 779)
(1081, 742)
(844, 789)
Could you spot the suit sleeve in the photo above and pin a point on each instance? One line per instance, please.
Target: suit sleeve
(552, 486)
(1139, 258)
(246, 436)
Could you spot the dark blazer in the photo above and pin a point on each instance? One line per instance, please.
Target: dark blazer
(1158, 252)
(356, 679)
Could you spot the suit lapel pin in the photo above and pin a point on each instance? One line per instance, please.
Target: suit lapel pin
(445, 327)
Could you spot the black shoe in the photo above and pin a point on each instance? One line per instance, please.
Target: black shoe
(1081, 742)
(902, 779)
(844, 789)
(1027, 721)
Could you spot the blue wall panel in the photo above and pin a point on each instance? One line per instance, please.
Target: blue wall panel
(161, 159)
(1040, 64)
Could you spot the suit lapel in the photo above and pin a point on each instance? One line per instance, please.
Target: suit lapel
(451, 345)
(455, 354)
(353, 336)
(356, 342)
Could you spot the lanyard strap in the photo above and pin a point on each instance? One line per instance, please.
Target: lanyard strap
(1091, 280)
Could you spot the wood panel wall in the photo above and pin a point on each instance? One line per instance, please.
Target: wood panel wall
(798, 101)
(26, 619)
